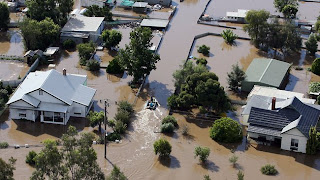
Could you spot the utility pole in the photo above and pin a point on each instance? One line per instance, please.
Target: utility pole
(106, 104)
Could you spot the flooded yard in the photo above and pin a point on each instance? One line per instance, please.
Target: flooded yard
(12, 70)
(11, 43)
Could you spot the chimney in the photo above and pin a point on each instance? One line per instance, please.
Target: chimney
(273, 105)
(64, 72)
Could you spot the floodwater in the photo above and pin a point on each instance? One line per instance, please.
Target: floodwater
(11, 43)
(11, 70)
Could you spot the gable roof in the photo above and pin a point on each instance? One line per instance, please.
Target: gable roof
(54, 83)
(83, 95)
(155, 23)
(267, 71)
(79, 23)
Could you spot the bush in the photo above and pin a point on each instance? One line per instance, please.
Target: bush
(268, 170)
(202, 110)
(240, 175)
(4, 145)
(125, 106)
(170, 119)
(113, 136)
(204, 50)
(172, 101)
(111, 123)
(69, 44)
(202, 152)
(312, 44)
(162, 147)
(201, 61)
(123, 116)
(226, 130)
(167, 128)
(314, 87)
(120, 127)
(111, 38)
(233, 160)
(185, 129)
(86, 50)
(100, 140)
(114, 67)
(30, 159)
(93, 65)
(206, 177)
(229, 36)
(9, 90)
(315, 67)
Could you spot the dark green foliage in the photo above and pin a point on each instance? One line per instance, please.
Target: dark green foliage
(4, 16)
(268, 170)
(312, 44)
(114, 67)
(202, 110)
(39, 34)
(226, 130)
(120, 127)
(162, 147)
(69, 44)
(314, 87)
(4, 95)
(123, 116)
(235, 77)
(30, 159)
(315, 67)
(318, 100)
(228, 36)
(204, 50)
(313, 142)
(97, 11)
(201, 61)
(240, 175)
(111, 38)
(136, 58)
(290, 11)
(167, 127)
(172, 101)
(202, 152)
(125, 106)
(170, 119)
(281, 4)
(9, 89)
(116, 174)
(6, 169)
(86, 51)
(206, 177)
(93, 65)
(96, 118)
(4, 145)
(113, 136)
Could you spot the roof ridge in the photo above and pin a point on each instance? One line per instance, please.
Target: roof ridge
(262, 75)
(47, 77)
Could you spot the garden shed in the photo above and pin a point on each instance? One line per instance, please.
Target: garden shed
(266, 72)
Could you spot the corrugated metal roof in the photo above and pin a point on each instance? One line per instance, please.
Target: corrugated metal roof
(140, 4)
(31, 100)
(157, 23)
(52, 107)
(80, 23)
(265, 131)
(83, 95)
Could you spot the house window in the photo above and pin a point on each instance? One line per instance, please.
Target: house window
(40, 92)
(56, 114)
(294, 144)
(22, 115)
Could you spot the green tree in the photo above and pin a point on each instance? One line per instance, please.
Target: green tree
(64, 7)
(136, 58)
(235, 77)
(206, 177)
(317, 26)
(162, 147)
(205, 50)
(125, 106)
(314, 87)
(280, 4)
(226, 130)
(123, 116)
(96, 118)
(313, 142)
(290, 11)
(116, 174)
(233, 160)
(315, 67)
(6, 169)
(39, 35)
(240, 175)
(111, 38)
(170, 119)
(201, 61)
(4, 16)
(202, 152)
(97, 11)
(93, 65)
(312, 44)
(268, 170)
(86, 51)
(228, 36)
(167, 127)
(114, 67)
(257, 25)
(30, 158)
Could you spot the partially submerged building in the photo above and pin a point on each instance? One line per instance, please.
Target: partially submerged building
(82, 29)
(266, 72)
(155, 23)
(51, 97)
(166, 3)
(238, 16)
(140, 7)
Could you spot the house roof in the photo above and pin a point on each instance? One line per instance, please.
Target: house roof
(31, 100)
(262, 102)
(51, 51)
(263, 130)
(140, 4)
(64, 88)
(79, 23)
(156, 23)
(240, 13)
(83, 95)
(267, 71)
(52, 107)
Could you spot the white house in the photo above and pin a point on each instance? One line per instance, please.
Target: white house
(287, 126)
(51, 97)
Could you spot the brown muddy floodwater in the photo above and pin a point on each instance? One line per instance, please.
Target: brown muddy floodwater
(11, 70)
(11, 43)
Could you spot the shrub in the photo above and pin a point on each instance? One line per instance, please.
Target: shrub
(185, 129)
(30, 159)
(206, 177)
(268, 170)
(9, 89)
(312, 44)
(120, 127)
(100, 140)
(113, 136)
(93, 65)
(125, 106)
(114, 67)
(314, 87)
(69, 44)
(229, 36)
(116, 174)
(167, 127)
(226, 130)
(170, 119)
(111, 123)
(4, 145)
(240, 175)
(172, 101)
(202, 152)
(204, 50)
(233, 160)
(123, 116)
(315, 67)
(162, 147)
(201, 61)
(86, 50)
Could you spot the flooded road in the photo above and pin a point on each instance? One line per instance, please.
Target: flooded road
(11, 70)
(11, 43)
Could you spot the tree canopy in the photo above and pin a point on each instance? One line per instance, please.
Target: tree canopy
(86, 50)
(4, 16)
(235, 77)
(312, 44)
(137, 58)
(280, 5)
(111, 38)
(96, 118)
(162, 147)
(97, 11)
(6, 169)
(116, 174)
(226, 130)
(39, 35)
(315, 67)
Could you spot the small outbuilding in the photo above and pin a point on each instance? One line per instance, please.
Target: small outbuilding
(238, 16)
(155, 23)
(266, 72)
(140, 7)
(166, 3)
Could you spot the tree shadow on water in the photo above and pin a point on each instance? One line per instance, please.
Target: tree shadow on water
(170, 162)
(210, 166)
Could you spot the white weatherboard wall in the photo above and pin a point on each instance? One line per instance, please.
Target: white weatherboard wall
(77, 110)
(30, 114)
(294, 134)
(21, 103)
(45, 97)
